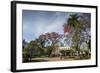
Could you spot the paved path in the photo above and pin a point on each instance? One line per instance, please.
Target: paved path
(53, 59)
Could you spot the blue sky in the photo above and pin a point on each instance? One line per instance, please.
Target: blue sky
(36, 23)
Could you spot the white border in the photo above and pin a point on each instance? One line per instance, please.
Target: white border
(37, 65)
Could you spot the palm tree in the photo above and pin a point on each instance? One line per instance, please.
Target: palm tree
(73, 20)
(74, 23)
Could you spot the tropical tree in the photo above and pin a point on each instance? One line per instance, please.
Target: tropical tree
(74, 24)
(80, 25)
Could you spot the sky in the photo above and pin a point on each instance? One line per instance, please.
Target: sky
(36, 23)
